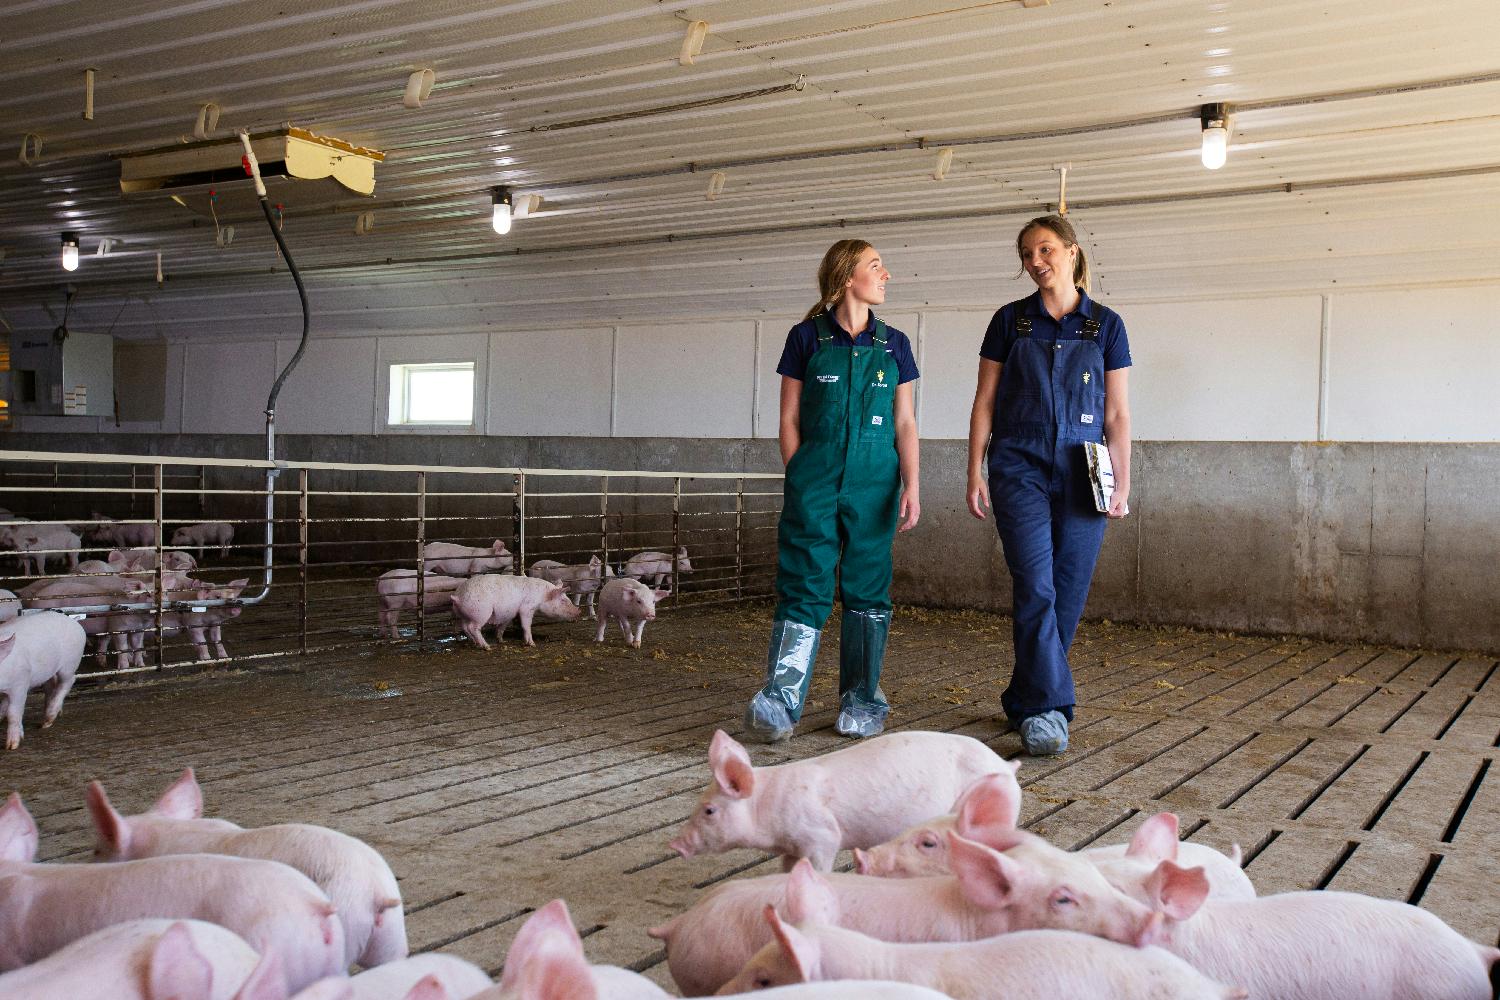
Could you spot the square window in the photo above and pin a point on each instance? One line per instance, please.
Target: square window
(438, 394)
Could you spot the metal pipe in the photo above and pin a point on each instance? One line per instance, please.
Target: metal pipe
(421, 562)
(302, 522)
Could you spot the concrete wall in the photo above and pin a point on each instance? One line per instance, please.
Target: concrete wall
(1368, 542)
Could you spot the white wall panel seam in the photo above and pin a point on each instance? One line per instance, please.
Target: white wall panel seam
(755, 381)
(1325, 342)
(614, 378)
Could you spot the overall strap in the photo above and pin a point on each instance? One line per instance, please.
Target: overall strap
(879, 335)
(825, 335)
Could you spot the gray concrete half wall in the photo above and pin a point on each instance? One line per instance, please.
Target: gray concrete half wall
(1375, 542)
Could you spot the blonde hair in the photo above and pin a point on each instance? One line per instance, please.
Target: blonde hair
(1063, 230)
(834, 273)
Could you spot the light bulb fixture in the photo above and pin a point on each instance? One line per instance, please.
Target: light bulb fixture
(1215, 119)
(70, 251)
(500, 217)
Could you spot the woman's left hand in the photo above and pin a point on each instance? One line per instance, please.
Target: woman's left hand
(1119, 504)
(911, 509)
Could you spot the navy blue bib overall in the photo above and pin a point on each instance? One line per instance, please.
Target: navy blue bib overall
(1050, 401)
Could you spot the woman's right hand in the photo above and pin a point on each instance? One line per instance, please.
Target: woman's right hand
(979, 496)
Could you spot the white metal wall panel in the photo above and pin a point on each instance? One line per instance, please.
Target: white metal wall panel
(950, 367)
(332, 389)
(684, 380)
(1415, 366)
(1235, 370)
(225, 385)
(551, 383)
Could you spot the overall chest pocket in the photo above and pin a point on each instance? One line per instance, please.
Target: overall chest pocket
(1021, 406)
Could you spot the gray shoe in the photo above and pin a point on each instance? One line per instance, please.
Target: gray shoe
(1045, 735)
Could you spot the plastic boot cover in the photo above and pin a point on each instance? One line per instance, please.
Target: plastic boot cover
(862, 705)
(860, 719)
(1044, 735)
(776, 708)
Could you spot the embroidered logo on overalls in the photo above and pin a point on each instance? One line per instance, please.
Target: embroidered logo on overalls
(1086, 377)
(828, 378)
(879, 382)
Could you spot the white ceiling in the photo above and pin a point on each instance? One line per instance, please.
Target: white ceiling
(1365, 149)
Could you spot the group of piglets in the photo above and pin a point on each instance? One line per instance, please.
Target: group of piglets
(480, 587)
(181, 907)
(42, 648)
(950, 894)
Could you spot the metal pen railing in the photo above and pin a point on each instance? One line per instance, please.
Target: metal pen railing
(321, 545)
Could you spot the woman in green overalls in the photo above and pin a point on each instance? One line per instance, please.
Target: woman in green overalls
(849, 441)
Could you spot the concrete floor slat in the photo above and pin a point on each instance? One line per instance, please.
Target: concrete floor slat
(496, 782)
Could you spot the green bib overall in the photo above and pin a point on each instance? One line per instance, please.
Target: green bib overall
(842, 494)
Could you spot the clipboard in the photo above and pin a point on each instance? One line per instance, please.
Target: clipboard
(1101, 474)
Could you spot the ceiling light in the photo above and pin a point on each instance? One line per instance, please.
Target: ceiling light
(1215, 119)
(500, 217)
(70, 251)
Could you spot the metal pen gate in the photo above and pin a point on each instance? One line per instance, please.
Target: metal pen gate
(308, 581)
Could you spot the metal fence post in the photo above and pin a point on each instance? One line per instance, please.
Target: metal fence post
(421, 564)
(161, 595)
(739, 539)
(518, 521)
(676, 517)
(303, 511)
(604, 527)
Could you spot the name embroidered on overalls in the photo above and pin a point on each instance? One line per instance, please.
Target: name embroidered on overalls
(828, 378)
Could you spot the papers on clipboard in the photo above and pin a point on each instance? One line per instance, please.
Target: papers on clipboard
(1101, 474)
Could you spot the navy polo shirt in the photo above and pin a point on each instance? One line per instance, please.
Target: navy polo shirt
(802, 341)
(1001, 334)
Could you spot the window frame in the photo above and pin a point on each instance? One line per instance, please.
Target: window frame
(398, 394)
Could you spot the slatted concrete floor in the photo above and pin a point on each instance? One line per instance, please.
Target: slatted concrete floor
(495, 782)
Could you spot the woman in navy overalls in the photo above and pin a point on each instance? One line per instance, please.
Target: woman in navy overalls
(1052, 375)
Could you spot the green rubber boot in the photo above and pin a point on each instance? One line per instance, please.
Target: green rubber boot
(862, 705)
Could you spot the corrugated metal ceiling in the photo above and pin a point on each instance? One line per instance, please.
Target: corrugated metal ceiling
(1121, 81)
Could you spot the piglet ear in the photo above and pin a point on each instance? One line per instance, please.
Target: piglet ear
(548, 929)
(801, 951)
(809, 897)
(731, 766)
(18, 833)
(661, 594)
(184, 800)
(429, 987)
(558, 974)
(111, 829)
(987, 878)
(266, 981)
(988, 809)
(1156, 840)
(177, 968)
(1176, 891)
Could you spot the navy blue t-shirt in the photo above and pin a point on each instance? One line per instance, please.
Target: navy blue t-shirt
(1001, 334)
(802, 341)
